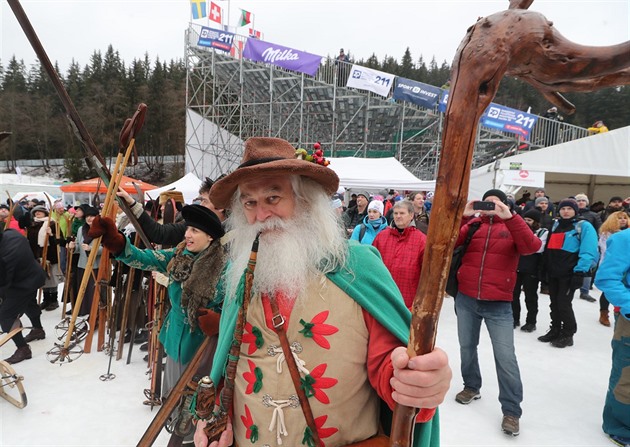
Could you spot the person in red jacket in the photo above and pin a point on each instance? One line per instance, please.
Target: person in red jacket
(486, 281)
(402, 247)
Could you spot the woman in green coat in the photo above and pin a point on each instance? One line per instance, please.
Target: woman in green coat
(193, 268)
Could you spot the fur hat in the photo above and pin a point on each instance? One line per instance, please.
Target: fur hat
(204, 219)
(581, 197)
(267, 157)
(568, 202)
(38, 208)
(496, 193)
(533, 214)
(168, 195)
(376, 205)
(539, 200)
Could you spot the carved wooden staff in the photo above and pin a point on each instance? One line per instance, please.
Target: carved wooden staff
(518, 43)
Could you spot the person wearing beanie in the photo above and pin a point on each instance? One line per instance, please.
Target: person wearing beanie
(614, 204)
(541, 194)
(570, 256)
(41, 235)
(420, 213)
(527, 275)
(354, 215)
(337, 205)
(82, 245)
(584, 212)
(402, 247)
(193, 268)
(486, 281)
(372, 224)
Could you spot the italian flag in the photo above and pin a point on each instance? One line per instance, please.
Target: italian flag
(246, 17)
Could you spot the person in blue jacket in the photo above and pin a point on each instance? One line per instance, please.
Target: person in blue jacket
(613, 278)
(372, 224)
(570, 253)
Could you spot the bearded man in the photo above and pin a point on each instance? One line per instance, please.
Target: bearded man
(343, 315)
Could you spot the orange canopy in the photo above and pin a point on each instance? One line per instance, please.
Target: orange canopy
(93, 183)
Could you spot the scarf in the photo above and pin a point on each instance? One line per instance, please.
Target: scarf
(41, 234)
(198, 275)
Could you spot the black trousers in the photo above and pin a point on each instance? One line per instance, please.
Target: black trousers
(529, 284)
(15, 305)
(561, 305)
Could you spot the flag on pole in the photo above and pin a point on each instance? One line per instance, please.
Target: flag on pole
(198, 9)
(246, 17)
(255, 33)
(215, 13)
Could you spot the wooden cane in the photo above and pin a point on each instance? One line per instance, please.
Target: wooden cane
(514, 42)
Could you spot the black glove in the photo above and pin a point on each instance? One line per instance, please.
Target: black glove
(577, 280)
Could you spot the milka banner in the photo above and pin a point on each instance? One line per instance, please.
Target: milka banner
(508, 120)
(373, 80)
(415, 92)
(214, 38)
(270, 53)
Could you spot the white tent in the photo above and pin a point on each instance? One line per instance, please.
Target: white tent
(597, 165)
(188, 185)
(30, 195)
(374, 174)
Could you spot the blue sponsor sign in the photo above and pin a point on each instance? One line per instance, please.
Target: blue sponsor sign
(508, 120)
(214, 38)
(415, 92)
(443, 101)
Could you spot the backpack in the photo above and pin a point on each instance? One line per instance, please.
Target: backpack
(362, 231)
(456, 261)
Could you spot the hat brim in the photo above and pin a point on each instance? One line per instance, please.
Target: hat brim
(223, 190)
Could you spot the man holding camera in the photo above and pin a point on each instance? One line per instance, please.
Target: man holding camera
(486, 281)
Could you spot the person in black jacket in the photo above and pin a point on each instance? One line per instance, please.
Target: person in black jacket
(170, 234)
(528, 275)
(20, 277)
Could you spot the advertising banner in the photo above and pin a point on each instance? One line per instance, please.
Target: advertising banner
(373, 80)
(523, 177)
(214, 38)
(284, 57)
(508, 120)
(415, 92)
(443, 101)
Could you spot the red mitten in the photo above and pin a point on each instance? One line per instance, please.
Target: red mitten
(208, 321)
(111, 238)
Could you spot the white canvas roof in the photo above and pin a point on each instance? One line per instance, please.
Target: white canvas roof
(597, 165)
(188, 185)
(377, 173)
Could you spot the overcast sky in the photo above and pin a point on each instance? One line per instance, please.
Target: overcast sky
(76, 28)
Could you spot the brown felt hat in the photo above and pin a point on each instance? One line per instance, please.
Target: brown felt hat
(268, 157)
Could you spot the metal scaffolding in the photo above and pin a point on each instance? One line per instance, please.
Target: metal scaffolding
(230, 99)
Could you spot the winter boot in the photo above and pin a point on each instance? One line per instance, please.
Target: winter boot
(603, 318)
(23, 353)
(528, 327)
(35, 334)
(562, 341)
(587, 297)
(51, 299)
(550, 336)
(467, 395)
(510, 425)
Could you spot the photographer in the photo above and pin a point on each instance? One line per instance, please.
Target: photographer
(486, 281)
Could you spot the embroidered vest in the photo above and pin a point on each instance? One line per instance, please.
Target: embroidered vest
(267, 411)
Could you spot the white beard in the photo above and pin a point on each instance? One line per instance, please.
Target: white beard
(290, 253)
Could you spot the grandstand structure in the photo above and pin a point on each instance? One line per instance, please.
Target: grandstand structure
(230, 99)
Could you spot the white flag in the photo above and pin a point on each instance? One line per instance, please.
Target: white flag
(375, 81)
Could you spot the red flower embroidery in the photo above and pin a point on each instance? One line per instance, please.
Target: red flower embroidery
(321, 383)
(253, 377)
(253, 337)
(251, 431)
(318, 330)
(324, 432)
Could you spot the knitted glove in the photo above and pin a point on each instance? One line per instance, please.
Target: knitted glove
(112, 239)
(208, 321)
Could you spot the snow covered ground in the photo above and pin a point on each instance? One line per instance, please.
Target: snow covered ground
(564, 392)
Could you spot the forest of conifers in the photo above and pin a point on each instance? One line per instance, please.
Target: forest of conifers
(106, 91)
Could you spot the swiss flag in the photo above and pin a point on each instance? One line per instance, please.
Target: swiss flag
(215, 13)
